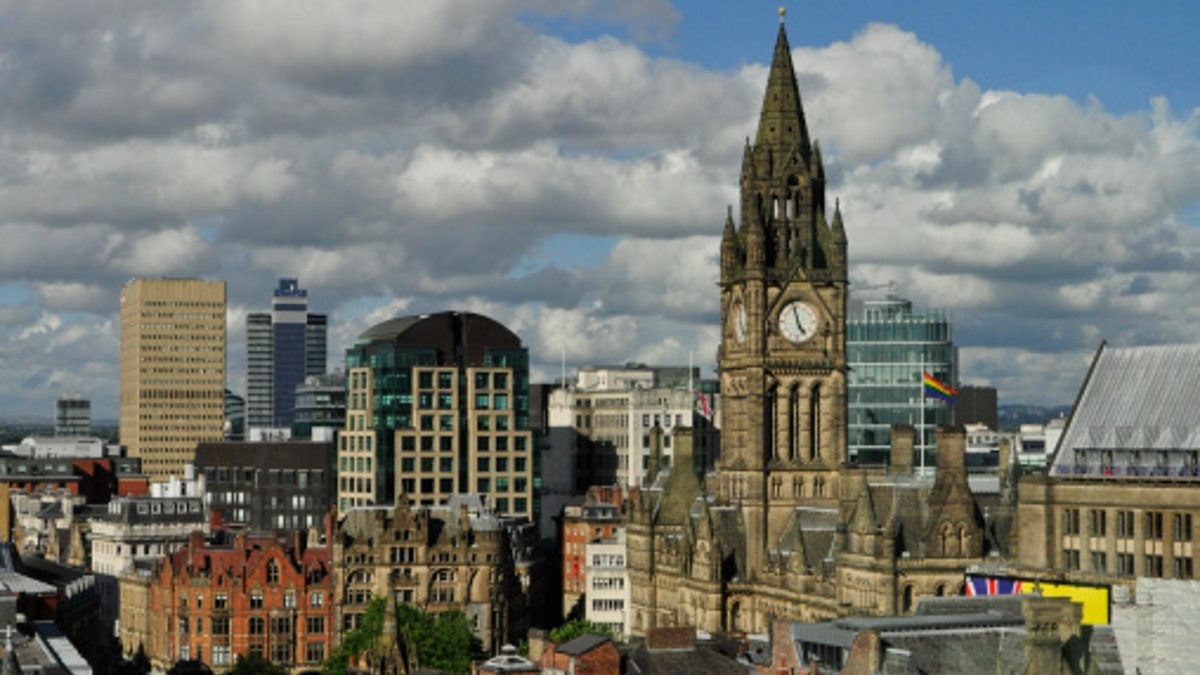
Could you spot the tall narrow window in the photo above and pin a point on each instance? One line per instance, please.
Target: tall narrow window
(814, 421)
(793, 426)
(770, 432)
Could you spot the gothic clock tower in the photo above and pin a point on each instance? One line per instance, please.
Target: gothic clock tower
(782, 358)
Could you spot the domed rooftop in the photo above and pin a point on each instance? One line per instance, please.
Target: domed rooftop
(459, 337)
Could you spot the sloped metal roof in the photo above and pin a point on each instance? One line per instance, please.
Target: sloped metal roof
(1134, 399)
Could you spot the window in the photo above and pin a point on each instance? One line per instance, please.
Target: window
(281, 653)
(1125, 524)
(220, 655)
(608, 605)
(1070, 521)
(1183, 528)
(257, 625)
(315, 652)
(1154, 565)
(289, 599)
(256, 600)
(1099, 521)
(272, 572)
(315, 625)
(1183, 568)
(1070, 559)
(1125, 564)
(281, 625)
(1154, 527)
(316, 600)
(219, 625)
(1099, 562)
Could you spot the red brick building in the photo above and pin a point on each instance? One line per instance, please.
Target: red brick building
(250, 595)
(588, 654)
(599, 517)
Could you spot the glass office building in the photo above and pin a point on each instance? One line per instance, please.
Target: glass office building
(283, 347)
(437, 405)
(888, 346)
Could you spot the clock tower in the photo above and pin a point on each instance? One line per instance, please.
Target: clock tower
(782, 358)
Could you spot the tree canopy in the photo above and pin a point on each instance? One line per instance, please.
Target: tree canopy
(576, 627)
(255, 664)
(440, 641)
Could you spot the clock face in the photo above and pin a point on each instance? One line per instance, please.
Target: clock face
(798, 321)
(738, 317)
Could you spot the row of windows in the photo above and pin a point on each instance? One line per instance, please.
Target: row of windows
(1182, 567)
(1152, 524)
(301, 478)
(409, 443)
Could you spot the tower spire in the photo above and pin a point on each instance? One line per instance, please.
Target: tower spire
(781, 123)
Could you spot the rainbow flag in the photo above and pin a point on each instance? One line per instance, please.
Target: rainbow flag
(936, 389)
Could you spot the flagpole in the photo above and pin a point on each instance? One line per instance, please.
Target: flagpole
(921, 423)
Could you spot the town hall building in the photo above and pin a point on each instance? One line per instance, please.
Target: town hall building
(785, 526)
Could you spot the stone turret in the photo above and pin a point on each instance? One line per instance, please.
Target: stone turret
(903, 441)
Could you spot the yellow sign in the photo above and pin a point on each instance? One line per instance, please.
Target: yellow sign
(1095, 599)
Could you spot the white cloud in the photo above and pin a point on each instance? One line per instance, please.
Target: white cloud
(421, 160)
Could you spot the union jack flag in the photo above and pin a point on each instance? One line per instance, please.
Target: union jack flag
(992, 586)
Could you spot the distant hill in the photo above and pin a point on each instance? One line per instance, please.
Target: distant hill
(1013, 416)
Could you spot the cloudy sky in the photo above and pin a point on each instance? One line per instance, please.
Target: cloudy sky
(564, 167)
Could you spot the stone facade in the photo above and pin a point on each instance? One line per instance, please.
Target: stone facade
(785, 526)
(434, 558)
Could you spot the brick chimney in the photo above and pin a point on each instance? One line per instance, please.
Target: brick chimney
(951, 449)
(671, 637)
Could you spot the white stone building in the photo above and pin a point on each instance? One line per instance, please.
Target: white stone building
(608, 584)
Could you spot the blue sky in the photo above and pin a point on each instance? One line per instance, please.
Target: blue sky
(1124, 53)
(564, 166)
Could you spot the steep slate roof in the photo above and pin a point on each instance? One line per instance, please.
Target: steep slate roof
(582, 644)
(1133, 399)
(692, 661)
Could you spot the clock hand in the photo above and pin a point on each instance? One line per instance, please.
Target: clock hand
(796, 320)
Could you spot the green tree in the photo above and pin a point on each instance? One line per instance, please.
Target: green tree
(452, 645)
(423, 640)
(361, 640)
(255, 664)
(576, 627)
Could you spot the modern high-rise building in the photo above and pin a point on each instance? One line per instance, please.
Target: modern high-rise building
(888, 345)
(438, 404)
(172, 371)
(320, 407)
(607, 415)
(73, 416)
(282, 348)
